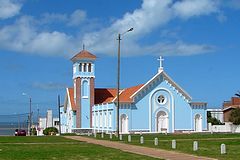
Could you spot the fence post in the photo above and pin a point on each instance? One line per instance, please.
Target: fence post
(110, 136)
(120, 137)
(223, 149)
(156, 141)
(174, 144)
(141, 140)
(129, 138)
(195, 145)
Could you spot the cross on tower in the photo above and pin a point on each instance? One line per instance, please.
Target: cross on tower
(160, 63)
(83, 46)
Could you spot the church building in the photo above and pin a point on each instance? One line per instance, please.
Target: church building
(158, 106)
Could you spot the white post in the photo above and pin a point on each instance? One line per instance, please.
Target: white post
(129, 138)
(195, 145)
(223, 149)
(88, 134)
(110, 136)
(120, 137)
(102, 135)
(174, 144)
(95, 134)
(141, 140)
(156, 141)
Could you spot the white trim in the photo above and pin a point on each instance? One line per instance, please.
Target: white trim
(119, 95)
(146, 84)
(156, 121)
(227, 108)
(150, 107)
(85, 97)
(188, 97)
(194, 128)
(140, 129)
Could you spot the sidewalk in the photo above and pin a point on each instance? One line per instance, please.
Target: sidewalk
(151, 152)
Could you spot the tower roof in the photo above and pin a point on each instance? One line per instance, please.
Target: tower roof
(84, 54)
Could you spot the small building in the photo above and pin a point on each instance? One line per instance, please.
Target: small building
(48, 121)
(216, 113)
(228, 106)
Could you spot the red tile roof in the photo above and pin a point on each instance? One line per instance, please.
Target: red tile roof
(107, 95)
(126, 93)
(83, 55)
(71, 96)
(104, 95)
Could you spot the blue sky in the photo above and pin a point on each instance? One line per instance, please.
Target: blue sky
(198, 39)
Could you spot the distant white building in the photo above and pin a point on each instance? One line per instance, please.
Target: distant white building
(217, 113)
(46, 122)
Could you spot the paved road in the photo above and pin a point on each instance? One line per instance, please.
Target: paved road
(151, 152)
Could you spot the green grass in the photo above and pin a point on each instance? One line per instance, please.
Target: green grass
(209, 144)
(54, 147)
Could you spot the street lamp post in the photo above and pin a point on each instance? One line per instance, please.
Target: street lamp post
(118, 77)
(30, 113)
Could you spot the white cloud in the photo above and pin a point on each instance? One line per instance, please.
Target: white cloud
(77, 17)
(23, 36)
(26, 36)
(9, 8)
(190, 8)
(152, 15)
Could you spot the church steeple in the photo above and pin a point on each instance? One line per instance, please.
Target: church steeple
(83, 79)
(160, 63)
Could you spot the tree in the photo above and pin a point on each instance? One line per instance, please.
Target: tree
(50, 131)
(235, 116)
(213, 120)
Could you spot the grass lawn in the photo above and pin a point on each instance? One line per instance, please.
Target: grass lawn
(209, 144)
(54, 147)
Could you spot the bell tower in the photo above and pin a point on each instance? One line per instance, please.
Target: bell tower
(83, 80)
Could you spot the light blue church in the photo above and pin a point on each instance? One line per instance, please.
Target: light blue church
(158, 106)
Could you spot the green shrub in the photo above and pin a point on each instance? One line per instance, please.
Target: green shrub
(50, 131)
(33, 131)
(235, 116)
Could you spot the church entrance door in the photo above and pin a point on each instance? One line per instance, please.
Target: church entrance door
(198, 123)
(162, 122)
(124, 123)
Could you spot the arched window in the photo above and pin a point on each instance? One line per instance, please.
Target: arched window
(80, 67)
(110, 119)
(85, 89)
(85, 67)
(89, 67)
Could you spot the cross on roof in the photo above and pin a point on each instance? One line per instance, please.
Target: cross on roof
(160, 62)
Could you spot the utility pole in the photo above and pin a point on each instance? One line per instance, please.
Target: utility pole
(118, 79)
(59, 114)
(118, 82)
(30, 116)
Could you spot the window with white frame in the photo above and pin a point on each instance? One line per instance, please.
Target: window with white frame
(110, 119)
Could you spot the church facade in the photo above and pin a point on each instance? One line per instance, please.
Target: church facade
(157, 106)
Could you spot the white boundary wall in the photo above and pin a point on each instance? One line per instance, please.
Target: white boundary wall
(228, 127)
